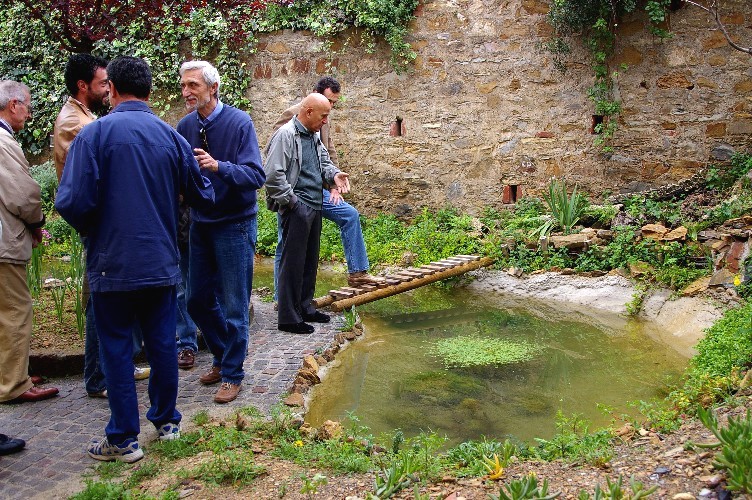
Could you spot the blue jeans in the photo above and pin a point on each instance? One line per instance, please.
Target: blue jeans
(220, 279)
(116, 315)
(347, 219)
(186, 328)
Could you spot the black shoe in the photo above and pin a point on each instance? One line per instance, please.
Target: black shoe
(296, 327)
(317, 317)
(10, 445)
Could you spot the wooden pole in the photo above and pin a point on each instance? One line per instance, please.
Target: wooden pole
(364, 298)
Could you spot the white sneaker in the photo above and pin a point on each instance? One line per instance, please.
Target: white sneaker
(141, 373)
(169, 431)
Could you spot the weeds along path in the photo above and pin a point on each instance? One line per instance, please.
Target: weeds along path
(54, 463)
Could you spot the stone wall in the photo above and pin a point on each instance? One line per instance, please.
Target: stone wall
(483, 107)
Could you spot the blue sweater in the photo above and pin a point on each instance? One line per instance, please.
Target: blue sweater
(120, 188)
(232, 141)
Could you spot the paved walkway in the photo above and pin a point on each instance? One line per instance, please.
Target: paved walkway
(54, 463)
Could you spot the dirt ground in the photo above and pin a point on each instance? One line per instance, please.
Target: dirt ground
(666, 461)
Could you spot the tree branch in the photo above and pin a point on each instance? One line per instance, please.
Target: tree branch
(712, 9)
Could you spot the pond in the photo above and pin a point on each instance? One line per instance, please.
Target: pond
(396, 377)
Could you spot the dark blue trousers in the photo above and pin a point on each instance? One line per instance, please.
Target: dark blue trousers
(116, 313)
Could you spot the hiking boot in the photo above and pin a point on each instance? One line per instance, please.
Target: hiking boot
(212, 376)
(127, 452)
(227, 392)
(169, 431)
(186, 358)
(363, 278)
(141, 373)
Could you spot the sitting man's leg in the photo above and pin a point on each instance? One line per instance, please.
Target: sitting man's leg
(347, 219)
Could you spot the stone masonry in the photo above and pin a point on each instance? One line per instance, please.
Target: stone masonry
(483, 108)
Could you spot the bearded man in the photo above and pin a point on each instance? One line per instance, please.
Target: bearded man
(222, 238)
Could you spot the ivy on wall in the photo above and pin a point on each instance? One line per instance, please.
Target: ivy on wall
(31, 54)
(595, 23)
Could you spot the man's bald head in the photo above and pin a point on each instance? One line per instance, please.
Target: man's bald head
(314, 111)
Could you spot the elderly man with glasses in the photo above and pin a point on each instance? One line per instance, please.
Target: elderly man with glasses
(222, 239)
(21, 221)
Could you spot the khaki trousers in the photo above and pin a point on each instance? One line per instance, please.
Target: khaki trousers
(15, 331)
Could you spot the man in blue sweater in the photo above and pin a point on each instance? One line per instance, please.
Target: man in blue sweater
(223, 237)
(120, 188)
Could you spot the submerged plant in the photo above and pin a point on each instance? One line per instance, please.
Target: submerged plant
(467, 351)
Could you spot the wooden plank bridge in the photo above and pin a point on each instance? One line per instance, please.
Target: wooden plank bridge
(402, 281)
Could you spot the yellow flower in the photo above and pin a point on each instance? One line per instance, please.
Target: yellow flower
(496, 471)
(298, 443)
(737, 280)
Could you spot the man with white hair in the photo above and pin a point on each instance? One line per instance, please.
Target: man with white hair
(223, 238)
(21, 220)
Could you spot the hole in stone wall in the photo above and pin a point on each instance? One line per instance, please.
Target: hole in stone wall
(511, 194)
(595, 124)
(397, 129)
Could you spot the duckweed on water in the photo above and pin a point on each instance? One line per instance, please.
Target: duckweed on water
(468, 351)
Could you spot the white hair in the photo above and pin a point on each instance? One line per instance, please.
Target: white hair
(10, 90)
(209, 72)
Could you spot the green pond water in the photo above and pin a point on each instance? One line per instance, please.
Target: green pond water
(391, 378)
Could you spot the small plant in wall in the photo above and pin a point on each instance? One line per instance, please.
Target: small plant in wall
(596, 23)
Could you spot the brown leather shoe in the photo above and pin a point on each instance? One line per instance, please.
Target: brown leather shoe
(186, 358)
(363, 278)
(227, 392)
(37, 394)
(36, 380)
(212, 376)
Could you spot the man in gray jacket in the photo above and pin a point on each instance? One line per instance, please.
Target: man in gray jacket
(297, 168)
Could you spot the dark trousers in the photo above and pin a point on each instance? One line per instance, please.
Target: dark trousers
(116, 314)
(301, 237)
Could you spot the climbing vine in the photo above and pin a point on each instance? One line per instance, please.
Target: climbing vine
(596, 22)
(213, 30)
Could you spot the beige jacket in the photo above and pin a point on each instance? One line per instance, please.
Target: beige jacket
(20, 202)
(72, 118)
(326, 138)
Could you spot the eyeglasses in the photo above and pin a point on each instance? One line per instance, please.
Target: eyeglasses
(204, 142)
(28, 106)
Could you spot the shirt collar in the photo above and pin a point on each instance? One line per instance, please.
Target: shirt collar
(82, 105)
(213, 115)
(6, 126)
(301, 128)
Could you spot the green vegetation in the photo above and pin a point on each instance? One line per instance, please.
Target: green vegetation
(616, 491)
(525, 489)
(735, 456)
(464, 351)
(30, 52)
(575, 443)
(596, 22)
(566, 209)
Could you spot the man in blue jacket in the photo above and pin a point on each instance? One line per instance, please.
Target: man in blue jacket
(222, 238)
(120, 187)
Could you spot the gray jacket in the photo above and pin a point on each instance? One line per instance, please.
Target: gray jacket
(282, 166)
